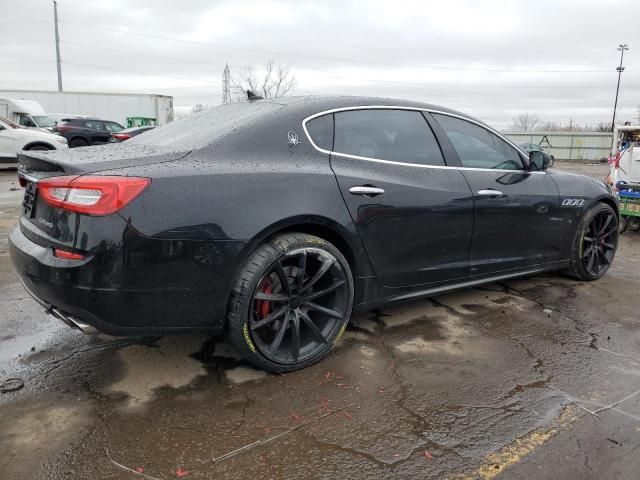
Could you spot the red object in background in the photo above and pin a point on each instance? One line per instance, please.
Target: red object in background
(121, 136)
(66, 255)
(180, 472)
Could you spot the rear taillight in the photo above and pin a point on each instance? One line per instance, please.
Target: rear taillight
(67, 255)
(91, 195)
(121, 136)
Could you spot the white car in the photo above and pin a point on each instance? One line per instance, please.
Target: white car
(14, 138)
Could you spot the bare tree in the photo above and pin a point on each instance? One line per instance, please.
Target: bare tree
(525, 122)
(272, 81)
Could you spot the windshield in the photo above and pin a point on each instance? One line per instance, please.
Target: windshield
(205, 127)
(43, 121)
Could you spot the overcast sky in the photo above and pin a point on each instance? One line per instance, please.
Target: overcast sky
(492, 59)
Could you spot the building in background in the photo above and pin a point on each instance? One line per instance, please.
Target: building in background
(128, 109)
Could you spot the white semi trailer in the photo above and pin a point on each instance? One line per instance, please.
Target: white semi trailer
(117, 107)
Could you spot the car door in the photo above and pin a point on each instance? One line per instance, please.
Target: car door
(516, 222)
(101, 133)
(7, 142)
(413, 215)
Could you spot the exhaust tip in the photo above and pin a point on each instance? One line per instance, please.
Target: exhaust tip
(73, 322)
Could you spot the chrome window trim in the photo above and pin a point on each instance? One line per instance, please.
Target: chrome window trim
(417, 165)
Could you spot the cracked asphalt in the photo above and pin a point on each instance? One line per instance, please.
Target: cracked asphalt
(532, 378)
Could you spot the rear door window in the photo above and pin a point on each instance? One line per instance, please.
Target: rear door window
(477, 147)
(320, 130)
(394, 135)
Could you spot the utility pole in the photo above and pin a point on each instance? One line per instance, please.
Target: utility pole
(226, 85)
(621, 48)
(55, 19)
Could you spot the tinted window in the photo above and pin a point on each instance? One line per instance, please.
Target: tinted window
(397, 135)
(477, 147)
(113, 126)
(321, 131)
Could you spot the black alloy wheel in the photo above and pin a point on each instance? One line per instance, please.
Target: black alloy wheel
(294, 307)
(298, 306)
(595, 243)
(599, 242)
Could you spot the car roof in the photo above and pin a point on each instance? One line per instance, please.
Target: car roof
(322, 103)
(205, 127)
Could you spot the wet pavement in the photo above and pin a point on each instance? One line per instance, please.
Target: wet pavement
(513, 380)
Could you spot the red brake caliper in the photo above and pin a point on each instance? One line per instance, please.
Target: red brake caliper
(264, 306)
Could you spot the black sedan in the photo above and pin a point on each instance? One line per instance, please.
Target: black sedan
(532, 147)
(273, 222)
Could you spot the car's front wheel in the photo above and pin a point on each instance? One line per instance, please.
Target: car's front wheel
(291, 302)
(595, 244)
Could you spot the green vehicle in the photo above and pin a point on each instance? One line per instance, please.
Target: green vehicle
(140, 122)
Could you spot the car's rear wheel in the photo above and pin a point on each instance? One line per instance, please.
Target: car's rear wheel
(78, 142)
(291, 302)
(595, 244)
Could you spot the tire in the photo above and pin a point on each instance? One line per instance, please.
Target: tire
(305, 284)
(634, 224)
(78, 142)
(595, 243)
(624, 225)
(39, 148)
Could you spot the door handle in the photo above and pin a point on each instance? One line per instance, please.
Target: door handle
(366, 190)
(489, 193)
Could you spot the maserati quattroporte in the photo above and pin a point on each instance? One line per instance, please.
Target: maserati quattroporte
(274, 221)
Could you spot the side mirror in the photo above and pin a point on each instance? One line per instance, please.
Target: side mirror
(537, 161)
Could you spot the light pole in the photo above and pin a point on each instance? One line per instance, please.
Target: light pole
(55, 21)
(621, 48)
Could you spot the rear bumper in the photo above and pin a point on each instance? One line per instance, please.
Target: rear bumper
(70, 320)
(145, 287)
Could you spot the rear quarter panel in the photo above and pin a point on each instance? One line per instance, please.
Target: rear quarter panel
(249, 185)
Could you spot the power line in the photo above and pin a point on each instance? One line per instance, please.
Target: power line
(135, 73)
(23, 21)
(26, 63)
(316, 57)
(341, 77)
(27, 42)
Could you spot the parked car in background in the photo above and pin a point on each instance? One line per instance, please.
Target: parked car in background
(81, 132)
(128, 133)
(532, 147)
(14, 138)
(271, 222)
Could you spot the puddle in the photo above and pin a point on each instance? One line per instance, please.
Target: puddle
(167, 363)
(31, 433)
(450, 335)
(16, 346)
(244, 374)
(368, 351)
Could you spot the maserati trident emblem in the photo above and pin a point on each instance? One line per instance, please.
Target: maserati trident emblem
(292, 138)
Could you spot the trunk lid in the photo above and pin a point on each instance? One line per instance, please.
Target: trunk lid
(83, 160)
(52, 226)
